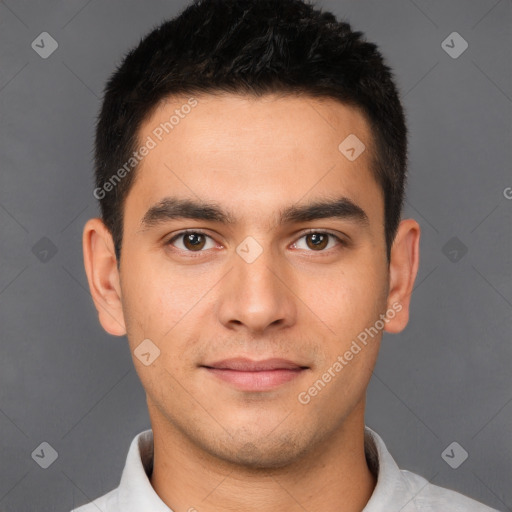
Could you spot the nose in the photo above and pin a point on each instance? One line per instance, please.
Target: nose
(257, 296)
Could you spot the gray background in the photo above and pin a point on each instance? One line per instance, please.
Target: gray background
(446, 378)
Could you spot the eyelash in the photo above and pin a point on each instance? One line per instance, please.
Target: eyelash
(340, 241)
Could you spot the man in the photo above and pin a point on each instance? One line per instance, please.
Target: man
(250, 167)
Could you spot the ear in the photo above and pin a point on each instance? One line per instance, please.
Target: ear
(403, 267)
(101, 269)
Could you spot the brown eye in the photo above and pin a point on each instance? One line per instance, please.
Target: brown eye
(192, 241)
(317, 241)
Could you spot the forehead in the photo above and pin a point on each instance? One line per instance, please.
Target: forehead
(254, 154)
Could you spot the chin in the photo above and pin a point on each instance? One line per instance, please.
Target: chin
(261, 453)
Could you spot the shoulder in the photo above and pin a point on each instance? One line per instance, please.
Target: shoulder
(105, 503)
(427, 497)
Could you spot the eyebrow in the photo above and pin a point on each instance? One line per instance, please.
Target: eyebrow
(170, 208)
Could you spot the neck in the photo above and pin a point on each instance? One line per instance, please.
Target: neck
(332, 477)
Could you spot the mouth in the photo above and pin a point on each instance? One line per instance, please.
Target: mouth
(249, 375)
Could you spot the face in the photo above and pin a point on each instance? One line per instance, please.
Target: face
(252, 314)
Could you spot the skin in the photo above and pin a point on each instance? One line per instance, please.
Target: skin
(217, 447)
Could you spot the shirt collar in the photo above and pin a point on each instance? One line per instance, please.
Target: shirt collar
(137, 493)
(391, 491)
(135, 489)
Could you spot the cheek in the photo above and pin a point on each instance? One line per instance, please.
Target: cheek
(350, 351)
(157, 308)
(155, 300)
(169, 309)
(350, 300)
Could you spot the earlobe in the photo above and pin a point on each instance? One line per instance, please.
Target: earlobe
(403, 268)
(103, 276)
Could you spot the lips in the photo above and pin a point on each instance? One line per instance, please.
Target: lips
(248, 365)
(249, 375)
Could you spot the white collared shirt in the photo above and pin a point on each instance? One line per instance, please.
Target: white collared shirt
(396, 490)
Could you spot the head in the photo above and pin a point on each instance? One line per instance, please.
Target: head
(274, 135)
